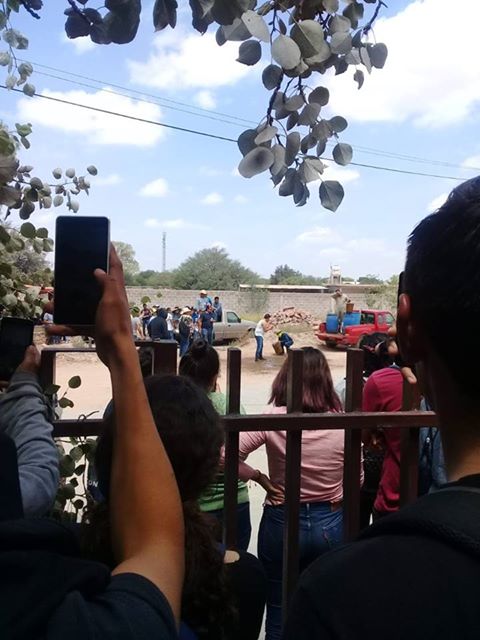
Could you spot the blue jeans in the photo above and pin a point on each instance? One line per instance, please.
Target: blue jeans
(259, 351)
(184, 344)
(320, 530)
(244, 526)
(207, 335)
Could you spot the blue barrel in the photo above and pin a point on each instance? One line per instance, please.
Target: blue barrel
(351, 319)
(332, 323)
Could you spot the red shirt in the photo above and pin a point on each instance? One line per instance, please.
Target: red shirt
(383, 391)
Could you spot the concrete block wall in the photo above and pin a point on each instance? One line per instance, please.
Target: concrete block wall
(256, 302)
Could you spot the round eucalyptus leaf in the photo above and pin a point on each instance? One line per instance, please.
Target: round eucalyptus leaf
(246, 141)
(266, 134)
(359, 78)
(294, 103)
(255, 162)
(309, 114)
(249, 52)
(309, 36)
(341, 43)
(320, 95)
(342, 153)
(42, 232)
(272, 76)
(28, 230)
(278, 165)
(92, 170)
(331, 194)
(339, 23)
(286, 52)
(378, 55)
(236, 32)
(331, 6)
(70, 173)
(57, 201)
(256, 25)
(338, 124)
(75, 382)
(292, 147)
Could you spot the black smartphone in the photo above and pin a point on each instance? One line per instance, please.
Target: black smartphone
(16, 334)
(82, 244)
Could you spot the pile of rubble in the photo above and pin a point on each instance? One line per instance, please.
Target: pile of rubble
(292, 315)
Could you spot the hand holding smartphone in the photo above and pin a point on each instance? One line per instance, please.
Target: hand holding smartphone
(16, 335)
(82, 244)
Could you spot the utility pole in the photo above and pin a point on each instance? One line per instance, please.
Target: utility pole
(164, 251)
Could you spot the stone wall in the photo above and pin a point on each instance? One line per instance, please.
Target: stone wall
(252, 303)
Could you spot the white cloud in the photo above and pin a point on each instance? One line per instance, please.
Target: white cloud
(366, 245)
(183, 61)
(98, 128)
(81, 45)
(334, 172)
(424, 79)
(437, 202)
(174, 224)
(107, 181)
(205, 99)
(472, 163)
(239, 199)
(212, 198)
(318, 235)
(156, 189)
(218, 245)
(210, 172)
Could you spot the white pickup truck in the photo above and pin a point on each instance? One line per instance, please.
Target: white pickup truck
(232, 327)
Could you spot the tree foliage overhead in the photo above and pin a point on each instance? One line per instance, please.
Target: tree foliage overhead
(370, 278)
(212, 269)
(303, 39)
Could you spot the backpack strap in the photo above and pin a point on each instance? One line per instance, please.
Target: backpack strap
(450, 515)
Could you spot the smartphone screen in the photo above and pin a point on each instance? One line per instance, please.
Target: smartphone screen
(82, 244)
(16, 334)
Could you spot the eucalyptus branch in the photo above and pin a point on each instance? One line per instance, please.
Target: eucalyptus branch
(369, 24)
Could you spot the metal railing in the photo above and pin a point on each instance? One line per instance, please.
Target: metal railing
(293, 422)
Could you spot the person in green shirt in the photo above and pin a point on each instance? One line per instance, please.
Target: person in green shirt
(201, 363)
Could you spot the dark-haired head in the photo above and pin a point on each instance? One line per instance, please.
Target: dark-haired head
(190, 431)
(375, 353)
(442, 283)
(318, 392)
(201, 364)
(192, 436)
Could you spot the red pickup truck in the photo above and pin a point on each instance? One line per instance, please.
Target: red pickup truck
(371, 321)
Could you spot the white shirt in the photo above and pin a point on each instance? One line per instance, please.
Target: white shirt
(260, 328)
(170, 322)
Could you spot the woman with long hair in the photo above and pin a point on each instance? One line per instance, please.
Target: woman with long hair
(321, 489)
(216, 605)
(202, 365)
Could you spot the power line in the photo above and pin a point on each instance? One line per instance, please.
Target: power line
(217, 137)
(210, 112)
(214, 115)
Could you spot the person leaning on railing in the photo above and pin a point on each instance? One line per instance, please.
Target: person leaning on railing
(321, 488)
(46, 589)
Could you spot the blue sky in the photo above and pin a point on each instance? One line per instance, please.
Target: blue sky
(425, 103)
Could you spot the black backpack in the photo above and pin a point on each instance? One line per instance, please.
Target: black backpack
(450, 515)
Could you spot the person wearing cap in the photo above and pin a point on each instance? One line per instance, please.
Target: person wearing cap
(203, 301)
(185, 326)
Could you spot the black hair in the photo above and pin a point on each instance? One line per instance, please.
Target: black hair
(200, 363)
(192, 436)
(145, 355)
(442, 277)
(375, 352)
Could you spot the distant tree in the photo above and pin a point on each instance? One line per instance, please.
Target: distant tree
(283, 273)
(370, 279)
(212, 269)
(151, 278)
(126, 253)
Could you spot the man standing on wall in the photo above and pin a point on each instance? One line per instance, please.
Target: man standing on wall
(217, 306)
(339, 306)
(203, 301)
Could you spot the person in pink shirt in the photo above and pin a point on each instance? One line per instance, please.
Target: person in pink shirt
(321, 490)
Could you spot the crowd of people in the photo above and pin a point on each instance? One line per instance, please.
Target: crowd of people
(188, 323)
(147, 561)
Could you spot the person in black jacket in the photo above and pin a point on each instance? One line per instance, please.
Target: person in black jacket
(158, 328)
(415, 574)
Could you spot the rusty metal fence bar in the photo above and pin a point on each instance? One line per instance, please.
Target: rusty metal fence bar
(293, 422)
